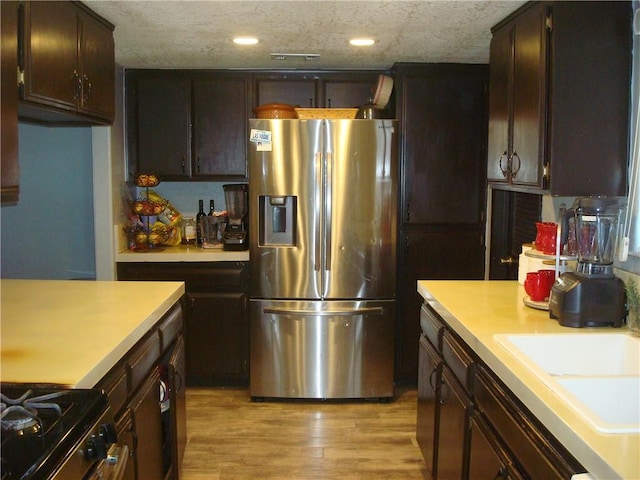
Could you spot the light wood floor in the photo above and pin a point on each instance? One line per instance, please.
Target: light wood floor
(229, 437)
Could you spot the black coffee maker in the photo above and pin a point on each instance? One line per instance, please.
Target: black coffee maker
(236, 235)
(592, 296)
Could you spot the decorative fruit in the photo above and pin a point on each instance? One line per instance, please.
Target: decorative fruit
(141, 238)
(147, 180)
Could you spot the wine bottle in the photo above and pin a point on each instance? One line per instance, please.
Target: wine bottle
(199, 221)
(211, 208)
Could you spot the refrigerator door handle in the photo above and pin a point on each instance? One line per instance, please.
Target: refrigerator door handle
(317, 264)
(328, 210)
(323, 313)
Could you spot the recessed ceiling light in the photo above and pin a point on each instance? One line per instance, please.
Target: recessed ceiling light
(245, 40)
(362, 42)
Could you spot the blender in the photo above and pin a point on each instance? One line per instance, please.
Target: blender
(235, 236)
(592, 296)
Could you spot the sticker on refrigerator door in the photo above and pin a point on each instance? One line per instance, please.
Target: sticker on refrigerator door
(262, 139)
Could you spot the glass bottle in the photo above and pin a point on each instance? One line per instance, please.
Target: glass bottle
(189, 231)
(199, 216)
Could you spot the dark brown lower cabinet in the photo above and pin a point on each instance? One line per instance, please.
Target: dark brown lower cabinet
(124, 429)
(429, 369)
(145, 410)
(454, 408)
(175, 435)
(216, 316)
(215, 339)
(156, 440)
(488, 458)
(470, 425)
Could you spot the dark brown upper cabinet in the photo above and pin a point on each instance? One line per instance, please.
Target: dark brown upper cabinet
(10, 169)
(316, 89)
(67, 64)
(559, 98)
(186, 125)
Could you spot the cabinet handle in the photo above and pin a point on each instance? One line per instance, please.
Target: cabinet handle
(408, 212)
(198, 163)
(184, 159)
(514, 171)
(311, 102)
(76, 85)
(508, 261)
(329, 103)
(86, 89)
(433, 372)
(502, 170)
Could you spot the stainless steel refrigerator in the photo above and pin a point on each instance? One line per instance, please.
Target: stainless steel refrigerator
(323, 263)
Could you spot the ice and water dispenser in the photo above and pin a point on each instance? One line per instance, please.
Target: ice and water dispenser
(277, 221)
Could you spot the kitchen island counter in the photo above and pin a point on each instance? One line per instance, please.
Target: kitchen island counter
(478, 310)
(184, 253)
(72, 333)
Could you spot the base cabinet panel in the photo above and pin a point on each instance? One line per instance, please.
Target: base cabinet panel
(216, 316)
(478, 428)
(156, 439)
(148, 430)
(215, 354)
(429, 370)
(454, 410)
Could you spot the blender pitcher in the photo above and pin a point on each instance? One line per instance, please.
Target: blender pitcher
(596, 229)
(237, 203)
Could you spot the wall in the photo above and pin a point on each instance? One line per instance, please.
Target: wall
(49, 233)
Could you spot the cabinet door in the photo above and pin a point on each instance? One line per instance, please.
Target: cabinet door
(161, 125)
(529, 97)
(126, 436)
(488, 458)
(443, 151)
(429, 372)
(453, 441)
(148, 429)
(177, 396)
(439, 254)
(348, 93)
(220, 104)
(296, 91)
(499, 148)
(9, 166)
(217, 339)
(52, 76)
(98, 68)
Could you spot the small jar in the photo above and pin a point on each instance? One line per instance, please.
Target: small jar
(189, 231)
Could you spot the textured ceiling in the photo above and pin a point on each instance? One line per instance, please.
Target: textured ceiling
(198, 34)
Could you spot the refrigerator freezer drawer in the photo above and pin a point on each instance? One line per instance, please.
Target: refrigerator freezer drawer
(322, 349)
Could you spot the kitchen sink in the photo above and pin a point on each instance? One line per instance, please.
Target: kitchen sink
(610, 404)
(597, 374)
(576, 354)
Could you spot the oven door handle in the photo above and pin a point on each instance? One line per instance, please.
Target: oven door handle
(114, 466)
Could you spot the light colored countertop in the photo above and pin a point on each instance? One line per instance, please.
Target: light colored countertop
(71, 332)
(184, 253)
(477, 310)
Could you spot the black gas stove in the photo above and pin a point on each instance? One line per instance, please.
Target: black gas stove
(51, 433)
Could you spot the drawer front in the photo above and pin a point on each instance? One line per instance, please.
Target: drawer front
(117, 388)
(539, 454)
(432, 326)
(142, 359)
(171, 326)
(459, 360)
(198, 276)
